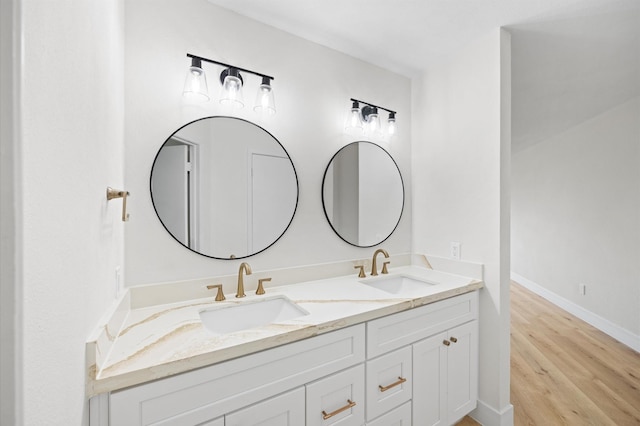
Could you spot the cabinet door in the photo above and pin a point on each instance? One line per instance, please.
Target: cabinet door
(216, 422)
(430, 381)
(462, 370)
(389, 382)
(337, 399)
(283, 410)
(401, 416)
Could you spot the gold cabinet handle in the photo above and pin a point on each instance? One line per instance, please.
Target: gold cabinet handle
(400, 381)
(361, 274)
(453, 339)
(446, 342)
(350, 404)
(220, 296)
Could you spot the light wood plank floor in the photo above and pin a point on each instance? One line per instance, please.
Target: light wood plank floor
(566, 372)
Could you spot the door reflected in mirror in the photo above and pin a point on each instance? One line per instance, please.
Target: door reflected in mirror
(224, 187)
(363, 194)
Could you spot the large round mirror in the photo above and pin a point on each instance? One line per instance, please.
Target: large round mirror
(363, 194)
(224, 187)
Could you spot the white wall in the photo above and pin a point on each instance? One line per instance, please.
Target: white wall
(576, 215)
(9, 351)
(312, 88)
(72, 149)
(461, 150)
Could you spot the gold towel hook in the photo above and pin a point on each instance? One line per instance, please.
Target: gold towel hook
(116, 193)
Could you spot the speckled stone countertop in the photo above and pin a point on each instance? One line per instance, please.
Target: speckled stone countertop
(166, 339)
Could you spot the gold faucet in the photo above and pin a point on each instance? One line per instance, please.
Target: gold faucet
(244, 266)
(374, 266)
(220, 296)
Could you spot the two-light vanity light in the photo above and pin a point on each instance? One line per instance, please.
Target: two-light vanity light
(195, 85)
(366, 120)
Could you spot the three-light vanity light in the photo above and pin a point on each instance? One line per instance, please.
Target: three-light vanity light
(195, 85)
(367, 119)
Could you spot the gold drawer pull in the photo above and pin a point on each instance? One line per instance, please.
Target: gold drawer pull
(453, 339)
(350, 404)
(446, 342)
(400, 381)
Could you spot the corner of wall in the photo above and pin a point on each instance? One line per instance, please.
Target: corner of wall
(10, 221)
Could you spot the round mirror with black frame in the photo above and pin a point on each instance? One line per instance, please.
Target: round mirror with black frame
(224, 187)
(363, 194)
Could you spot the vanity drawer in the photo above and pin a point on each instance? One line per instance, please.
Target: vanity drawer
(216, 422)
(401, 416)
(207, 393)
(337, 400)
(389, 382)
(282, 410)
(404, 328)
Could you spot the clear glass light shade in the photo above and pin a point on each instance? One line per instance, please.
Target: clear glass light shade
(353, 122)
(391, 127)
(265, 102)
(231, 92)
(195, 85)
(373, 124)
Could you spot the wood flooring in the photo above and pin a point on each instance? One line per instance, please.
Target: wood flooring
(566, 372)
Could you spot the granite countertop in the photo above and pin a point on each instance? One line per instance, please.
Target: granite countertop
(166, 339)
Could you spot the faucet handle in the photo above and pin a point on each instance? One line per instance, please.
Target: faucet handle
(260, 289)
(361, 274)
(220, 296)
(384, 267)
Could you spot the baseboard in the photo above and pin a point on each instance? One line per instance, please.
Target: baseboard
(620, 334)
(489, 416)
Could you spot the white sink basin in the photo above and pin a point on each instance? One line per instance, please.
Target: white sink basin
(251, 314)
(398, 284)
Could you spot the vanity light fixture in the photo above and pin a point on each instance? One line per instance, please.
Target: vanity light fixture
(232, 83)
(195, 85)
(370, 116)
(391, 126)
(354, 119)
(264, 98)
(231, 91)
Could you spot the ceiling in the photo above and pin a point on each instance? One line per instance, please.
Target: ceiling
(567, 71)
(407, 36)
(571, 59)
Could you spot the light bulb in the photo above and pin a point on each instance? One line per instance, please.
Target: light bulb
(195, 84)
(391, 127)
(231, 92)
(353, 122)
(374, 123)
(265, 102)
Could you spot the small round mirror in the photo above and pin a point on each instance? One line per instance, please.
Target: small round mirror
(224, 187)
(363, 194)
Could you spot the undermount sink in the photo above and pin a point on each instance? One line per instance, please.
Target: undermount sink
(398, 284)
(250, 314)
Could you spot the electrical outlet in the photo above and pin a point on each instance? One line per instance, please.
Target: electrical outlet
(455, 250)
(583, 289)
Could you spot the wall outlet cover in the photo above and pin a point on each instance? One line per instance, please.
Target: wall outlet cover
(455, 250)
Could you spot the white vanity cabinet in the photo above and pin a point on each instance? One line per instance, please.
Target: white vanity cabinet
(287, 409)
(203, 395)
(216, 422)
(443, 344)
(414, 367)
(389, 382)
(445, 376)
(337, 399)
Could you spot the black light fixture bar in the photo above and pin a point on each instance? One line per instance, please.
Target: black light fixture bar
(233, 66)
(375, 106)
